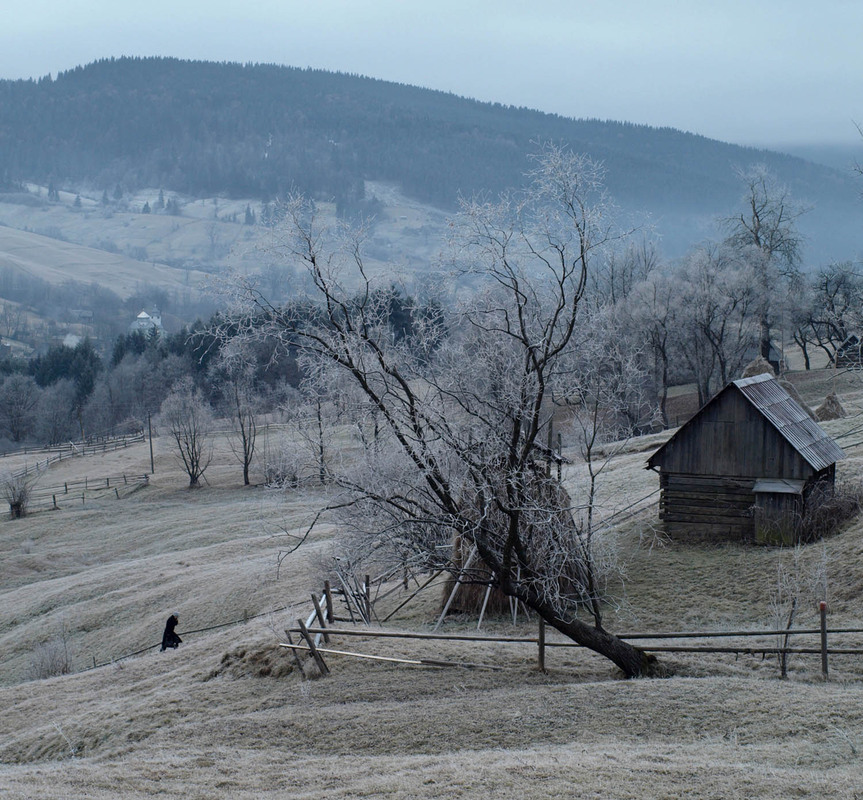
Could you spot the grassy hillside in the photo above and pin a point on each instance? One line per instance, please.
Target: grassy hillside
(56, 261)
(227, 715)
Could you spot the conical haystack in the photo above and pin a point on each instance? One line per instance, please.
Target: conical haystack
(549, 535)
(473, 585)
(831, 408)
(758, 367)
(795, 395)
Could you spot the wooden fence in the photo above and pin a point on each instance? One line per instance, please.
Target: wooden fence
(311, 637)
(73, 449)
(72, 493)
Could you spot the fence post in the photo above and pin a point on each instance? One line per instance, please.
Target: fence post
(296, 657)
(541, 644)
(328, 596)
(320, 615)
(369, 598)
(310, 641)
(559, 457)
(150, 436)
(822, 607)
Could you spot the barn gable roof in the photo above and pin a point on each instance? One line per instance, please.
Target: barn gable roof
(785, 414)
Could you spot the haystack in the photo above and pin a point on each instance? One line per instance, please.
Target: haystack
(758, 367)
(546, 530)
(831, 408)
(795, 395)
(472, 591)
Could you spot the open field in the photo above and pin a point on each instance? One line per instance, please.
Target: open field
(123, 249)
(228, 715)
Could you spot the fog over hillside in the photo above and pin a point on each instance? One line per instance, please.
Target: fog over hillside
(258, 131)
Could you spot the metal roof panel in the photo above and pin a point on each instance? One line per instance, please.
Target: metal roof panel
(791, 420)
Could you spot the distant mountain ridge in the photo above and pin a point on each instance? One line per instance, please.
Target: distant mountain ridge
(259, 130)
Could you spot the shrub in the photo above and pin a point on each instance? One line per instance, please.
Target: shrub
(51, 658)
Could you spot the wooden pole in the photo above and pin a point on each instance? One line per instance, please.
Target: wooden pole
(310, 641)
(541, 644)
(559, 458)
(484, 604)
(328, 596)
(150, 435)
(294, 654)
(368, 594)
(401, 605)
(320, 615)
(349, 598)
(822, 607)
(423, 662)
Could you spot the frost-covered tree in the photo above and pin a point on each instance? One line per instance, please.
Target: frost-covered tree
(189, 420)
(464, 415)
(765, 233)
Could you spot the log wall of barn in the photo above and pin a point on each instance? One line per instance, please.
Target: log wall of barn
(706, 507)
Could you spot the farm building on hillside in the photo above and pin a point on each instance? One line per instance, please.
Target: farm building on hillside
(745, 467)
(147, 322)
(850, 353)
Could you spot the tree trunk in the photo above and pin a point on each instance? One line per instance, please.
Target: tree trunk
(633, 661)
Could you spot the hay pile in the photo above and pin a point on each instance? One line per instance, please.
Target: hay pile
(758, 367)
(792, 390)
(473, 586)
(831, 408)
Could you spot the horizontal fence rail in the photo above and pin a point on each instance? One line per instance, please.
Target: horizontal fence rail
(77, 492)
(312, 637)
(73, 449)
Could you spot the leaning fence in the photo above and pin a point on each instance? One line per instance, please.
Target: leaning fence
(323, 613)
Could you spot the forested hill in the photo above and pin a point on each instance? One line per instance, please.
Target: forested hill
(258, 130)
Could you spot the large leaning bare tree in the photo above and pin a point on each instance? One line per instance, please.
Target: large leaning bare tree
(464, 402)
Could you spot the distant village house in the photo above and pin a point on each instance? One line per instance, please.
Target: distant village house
(147, 321)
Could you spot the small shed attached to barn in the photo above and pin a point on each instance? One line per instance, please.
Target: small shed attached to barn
(745, 467)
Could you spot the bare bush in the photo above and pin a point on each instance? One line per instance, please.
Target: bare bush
(51, 658)
(17, 489)
(799, 582)
(283, 463)
(825, 515)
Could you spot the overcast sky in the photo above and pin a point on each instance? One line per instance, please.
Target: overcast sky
(764, 72)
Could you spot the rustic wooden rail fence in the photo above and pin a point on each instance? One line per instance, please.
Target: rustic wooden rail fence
(74, 449)
(323, 613)
(95, 442)
(77, 492)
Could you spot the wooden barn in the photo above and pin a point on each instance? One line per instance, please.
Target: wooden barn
(850, 353)
(744, 467)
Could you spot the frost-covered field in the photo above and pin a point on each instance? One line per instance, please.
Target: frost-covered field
(226, 715)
